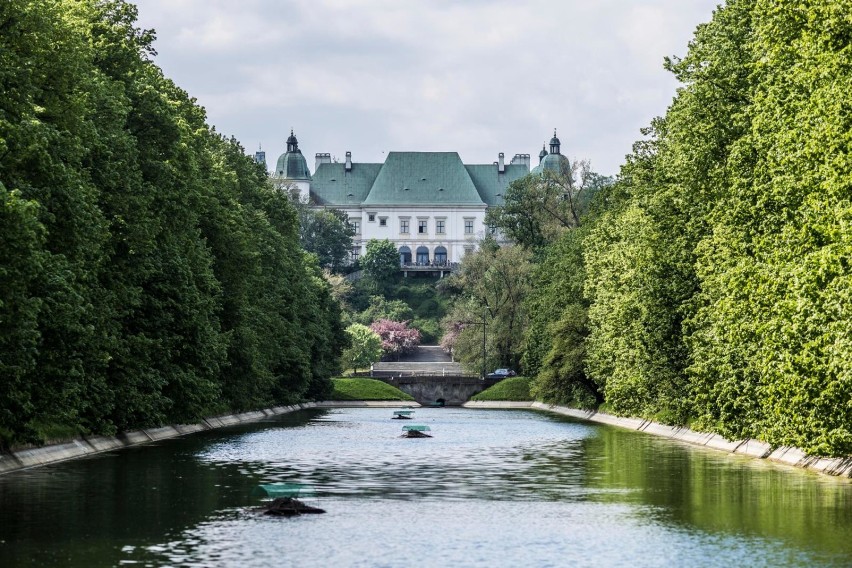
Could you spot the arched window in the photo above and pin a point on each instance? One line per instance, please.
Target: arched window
(404, 255)
(422, 255)
(440, 255)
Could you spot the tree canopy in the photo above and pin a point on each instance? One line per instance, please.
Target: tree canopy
(150, 273)
(710, 284)
(380, 261)
(537, 209)
(365, 347)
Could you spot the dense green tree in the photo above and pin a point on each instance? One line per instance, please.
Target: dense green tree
(771, 340)
(365, 347)
(382, 308)
(538, 208)
(640, 258)
(555, 340)
(491, 286)
(326, 233)
(380, 261)
(150, 272)
(21, 259)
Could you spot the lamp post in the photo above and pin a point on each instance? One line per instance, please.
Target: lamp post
(484, 312)
(483, 324)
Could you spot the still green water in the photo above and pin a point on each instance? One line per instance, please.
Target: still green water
(491, 488)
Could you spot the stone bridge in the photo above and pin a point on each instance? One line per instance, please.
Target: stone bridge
(432, 389)
(431, 376)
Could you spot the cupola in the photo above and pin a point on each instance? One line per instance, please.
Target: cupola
(291, 164)
(554, 143)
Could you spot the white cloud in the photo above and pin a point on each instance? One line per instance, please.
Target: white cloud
(476, 77)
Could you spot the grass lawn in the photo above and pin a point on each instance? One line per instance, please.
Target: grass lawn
(365, 389)
(514, 389)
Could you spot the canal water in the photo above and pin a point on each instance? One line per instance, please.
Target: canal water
(490, 488)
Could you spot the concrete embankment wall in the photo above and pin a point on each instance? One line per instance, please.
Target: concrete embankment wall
(841, 467)
(89, 445)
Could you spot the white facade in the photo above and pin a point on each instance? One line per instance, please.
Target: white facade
(456, 229)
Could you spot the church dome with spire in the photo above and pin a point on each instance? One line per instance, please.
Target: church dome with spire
(553, 161)
(291, 164)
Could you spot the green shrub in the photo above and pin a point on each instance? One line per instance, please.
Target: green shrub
(430, 330)
(516, 389)
(365, 389)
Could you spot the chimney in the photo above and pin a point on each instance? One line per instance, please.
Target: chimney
(501, 165)
(521, 159)
(348, 166)
(322, 159)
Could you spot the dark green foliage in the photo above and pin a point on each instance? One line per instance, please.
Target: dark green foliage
(382, 308)
(21, 267)
(326, 233)
(555, 341)
(538, 208)
(429, 328)
(490, 286)
(380, 262)
(149, 272)
(416, 300)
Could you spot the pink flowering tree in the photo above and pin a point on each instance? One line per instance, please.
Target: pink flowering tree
(397, 337)
(452, 330)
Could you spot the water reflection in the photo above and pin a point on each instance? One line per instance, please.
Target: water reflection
(490, 488)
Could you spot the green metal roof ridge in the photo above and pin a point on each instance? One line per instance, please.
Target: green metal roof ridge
(414, 178)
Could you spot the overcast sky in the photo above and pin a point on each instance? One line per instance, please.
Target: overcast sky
(477, 77)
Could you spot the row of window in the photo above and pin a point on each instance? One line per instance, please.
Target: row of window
(422, 258)
(422, 225)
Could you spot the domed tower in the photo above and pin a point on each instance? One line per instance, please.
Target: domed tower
(542, 154)
(553, 161)
(292, 168)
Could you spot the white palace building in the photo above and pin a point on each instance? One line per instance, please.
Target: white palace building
(429, 204)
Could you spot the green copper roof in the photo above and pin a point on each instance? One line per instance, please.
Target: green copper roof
(553, 162)
(492, 185)
(292, 165)
(333, 185)
(423, 178)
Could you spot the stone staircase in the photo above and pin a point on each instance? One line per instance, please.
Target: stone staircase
(427, 360)
(427, 354)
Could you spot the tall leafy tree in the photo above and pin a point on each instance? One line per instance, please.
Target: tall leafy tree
(365, 347)
(151, 273)
(538, 208)
(771, 338)
(491, 286)
(328, 234)
(380, 261)
(640, 259)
